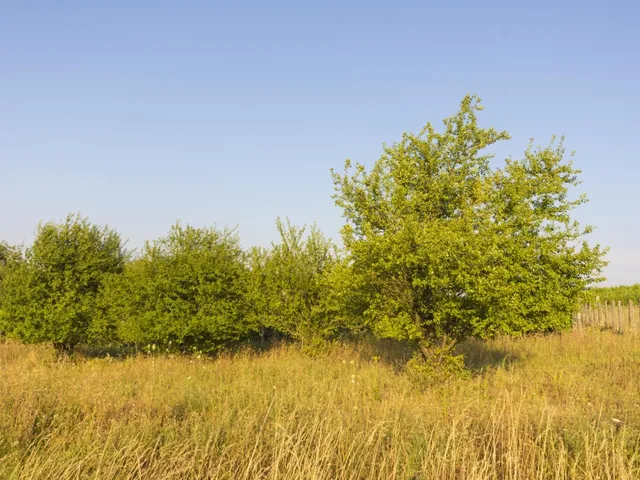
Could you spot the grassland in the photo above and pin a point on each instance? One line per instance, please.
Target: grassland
(560, 406)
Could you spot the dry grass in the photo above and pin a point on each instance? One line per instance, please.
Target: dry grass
(540, 408)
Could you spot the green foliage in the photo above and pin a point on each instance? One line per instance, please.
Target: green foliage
(8, 254)
(451, 248)
(10, 257)
(622, 293)
(547, 264)
(440, 246)
(299, 286)
(185, 291)
(426, 372)
(51, 296)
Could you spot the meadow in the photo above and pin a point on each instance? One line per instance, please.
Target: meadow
(556, 406)
(310, 359)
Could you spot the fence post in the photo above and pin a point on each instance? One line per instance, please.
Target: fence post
(612, 315)
(619, 316)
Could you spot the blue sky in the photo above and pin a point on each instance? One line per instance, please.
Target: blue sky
(140, 113)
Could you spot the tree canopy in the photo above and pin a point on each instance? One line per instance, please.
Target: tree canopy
(52, 294)
(453, 247)
(298, 285)
(441, 242)
(186, 290)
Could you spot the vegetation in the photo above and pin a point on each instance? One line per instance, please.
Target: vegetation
(185, 291)
(552, 407)
(453, 249)
(620, 293)
(52, 296)
(300, 287)
(10, 258)
(291, 283)
(8, 254)
(439, 247)
(415, 374)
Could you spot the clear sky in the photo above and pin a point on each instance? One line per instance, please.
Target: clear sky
(139, 113)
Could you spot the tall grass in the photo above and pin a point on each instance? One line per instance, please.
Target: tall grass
(565, 406)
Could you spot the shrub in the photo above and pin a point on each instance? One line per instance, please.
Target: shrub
(10, 257)
(298, 286)
(185, 291)
(51, 296)
(620, 293)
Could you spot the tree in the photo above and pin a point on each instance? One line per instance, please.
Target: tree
(186, 291)
(8, 254)
(452, 248)
(51, 295)
(619, 293)
(291, 285)
(10, 257)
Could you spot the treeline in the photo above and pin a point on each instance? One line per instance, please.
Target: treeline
(438, 246)
(620, 293)
(195, 288)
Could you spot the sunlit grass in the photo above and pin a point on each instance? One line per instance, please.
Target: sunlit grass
(561, 406)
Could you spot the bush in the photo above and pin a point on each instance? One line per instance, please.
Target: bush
(425, 372)
(10, 257)
(622, 293)
(298, 286)
(186, 291)
(51, 296)
(8, 254)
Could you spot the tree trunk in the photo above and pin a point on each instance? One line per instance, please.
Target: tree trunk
(433, 349)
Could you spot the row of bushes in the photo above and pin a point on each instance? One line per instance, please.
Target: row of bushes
(439, 246)
(194, 288)
(620, 293)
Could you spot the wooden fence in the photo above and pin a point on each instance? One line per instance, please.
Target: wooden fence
(617, 316)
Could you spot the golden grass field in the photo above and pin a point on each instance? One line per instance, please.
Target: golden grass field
(560, 406)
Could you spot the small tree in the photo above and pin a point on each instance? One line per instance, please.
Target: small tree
(10, 257)
(8, 254)
(452, 248)
(293, 285)
(186, 291)
(51, 295)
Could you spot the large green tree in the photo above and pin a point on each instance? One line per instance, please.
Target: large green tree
(186, 290)
(453, 248)
(51, 296)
